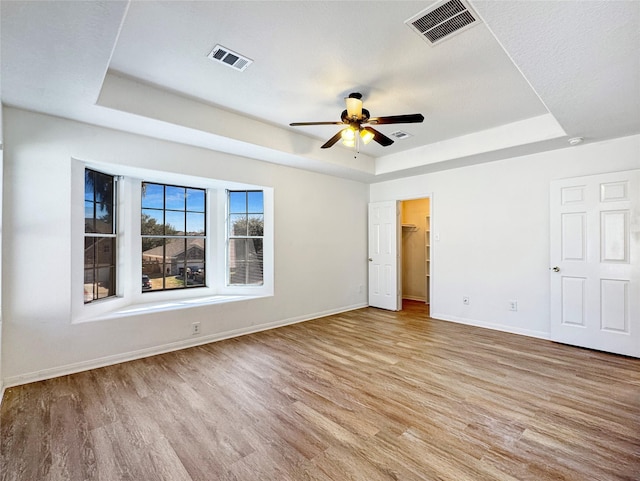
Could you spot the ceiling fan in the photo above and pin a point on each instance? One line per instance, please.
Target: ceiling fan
(356, 119)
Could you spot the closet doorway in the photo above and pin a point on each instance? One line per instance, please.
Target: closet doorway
(415, 217)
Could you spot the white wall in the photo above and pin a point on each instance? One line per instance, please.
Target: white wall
(1, 257)
(493, 224)
(320, 248)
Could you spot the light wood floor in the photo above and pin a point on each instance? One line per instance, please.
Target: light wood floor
(367, 395)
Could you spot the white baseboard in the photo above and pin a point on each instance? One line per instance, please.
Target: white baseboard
(414, 298)
(489, 325)
(161, 349)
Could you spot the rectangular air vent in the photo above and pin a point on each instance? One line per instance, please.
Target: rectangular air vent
(399, 134)
(229, 58)
(442, 20)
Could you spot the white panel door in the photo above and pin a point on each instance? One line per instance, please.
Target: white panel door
(595, 273)
(384, 252)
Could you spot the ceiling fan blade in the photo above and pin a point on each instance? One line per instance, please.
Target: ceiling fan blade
(379, 137)
(298, 124)
(332, 140)
(398, 119)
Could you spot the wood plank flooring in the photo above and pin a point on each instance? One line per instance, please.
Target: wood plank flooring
(367, 395)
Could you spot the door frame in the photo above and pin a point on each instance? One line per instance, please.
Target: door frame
(432, 237)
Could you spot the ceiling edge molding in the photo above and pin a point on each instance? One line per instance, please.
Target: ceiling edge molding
(523, 132)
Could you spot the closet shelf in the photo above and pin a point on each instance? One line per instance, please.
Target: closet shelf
(410, 226)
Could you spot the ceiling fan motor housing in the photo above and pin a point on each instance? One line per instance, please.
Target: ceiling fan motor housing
(364, 117)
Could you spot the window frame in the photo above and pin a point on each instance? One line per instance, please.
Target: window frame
(130, 301)
(174, 237)
(231, 236)
(101, 235)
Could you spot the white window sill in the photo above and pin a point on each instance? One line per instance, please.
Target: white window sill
(170, 305)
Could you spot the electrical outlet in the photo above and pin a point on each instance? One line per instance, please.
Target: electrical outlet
(513, 305)
(465, 300)
(195, 328)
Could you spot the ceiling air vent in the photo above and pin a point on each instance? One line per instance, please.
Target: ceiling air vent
(442, 20)
(400, 134)
(229, 58)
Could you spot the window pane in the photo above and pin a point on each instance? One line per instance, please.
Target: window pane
(256, 203)
(103, 210)
(237, 261)
(153, 264)
(195, 200)
(237, 252)
(152, 244)
(174, 222)
(106, 251)
(256, 225)
(177, 260)
(174, 198)
(245, 261)
(152, 222)
(237, 202)
(89, 286)
(195, 262)
(176, 263)
(89, 252)
(105, 282)
(238, 224)
(254, 261)
(88, 185)
(104, 221)
(152, 195)
(89, 220)
(195, 223)
(103, 186)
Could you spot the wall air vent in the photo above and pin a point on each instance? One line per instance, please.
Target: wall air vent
(229, 58)
(443, 20)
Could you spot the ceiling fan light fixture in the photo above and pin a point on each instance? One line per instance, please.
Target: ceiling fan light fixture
(366, 136)
(348, 134)
(349, 142)
(354, 107)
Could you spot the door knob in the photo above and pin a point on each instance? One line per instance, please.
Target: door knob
(555, 269)
(370, 259)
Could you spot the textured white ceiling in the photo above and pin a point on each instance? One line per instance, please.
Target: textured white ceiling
(545, 68)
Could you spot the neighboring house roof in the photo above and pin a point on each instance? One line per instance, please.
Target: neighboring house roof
(174, 248)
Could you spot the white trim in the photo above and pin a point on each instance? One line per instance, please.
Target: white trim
(489, 325)
(161, 349)
(169, 305)
(415, 298)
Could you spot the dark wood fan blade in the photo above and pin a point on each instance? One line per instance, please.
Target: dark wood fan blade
(298, 124)
(379, 137)
(398, 119)
(332, 140)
